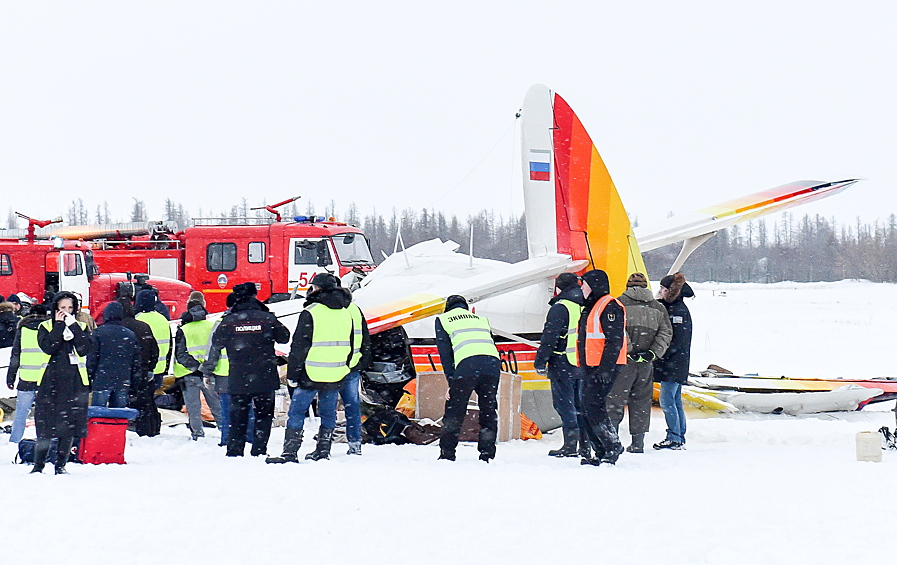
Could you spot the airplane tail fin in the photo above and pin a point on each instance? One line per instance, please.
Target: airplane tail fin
(572, 206)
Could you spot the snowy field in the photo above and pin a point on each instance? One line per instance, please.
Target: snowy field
(748, 489)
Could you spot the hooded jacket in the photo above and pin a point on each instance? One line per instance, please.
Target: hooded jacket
(612, 321)
(60, 408)
(674, 365)
(115, 359)
(8, 323)
(149, 349)
(647, 323)
(554, 333)
(332, 297)
(147, 300)
(248, 333)
(31, 322)
(195, 313)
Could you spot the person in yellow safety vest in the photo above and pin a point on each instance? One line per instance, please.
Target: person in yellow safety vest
(556, 358)
(191, 345)
(319, 361)
(471, 363)
(60, 409)
(145, 304)
(28, 361)
(601, 351)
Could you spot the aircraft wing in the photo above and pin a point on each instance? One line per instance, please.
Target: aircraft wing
(714, 218)
(414, 284)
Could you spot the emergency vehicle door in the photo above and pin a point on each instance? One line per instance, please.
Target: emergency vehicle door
(73, 275)
(308, 257)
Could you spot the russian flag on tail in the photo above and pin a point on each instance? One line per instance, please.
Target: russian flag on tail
(539, 164)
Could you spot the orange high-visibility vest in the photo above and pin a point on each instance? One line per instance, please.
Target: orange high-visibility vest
(595, 335)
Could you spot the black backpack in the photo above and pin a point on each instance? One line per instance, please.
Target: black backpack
(28, 446)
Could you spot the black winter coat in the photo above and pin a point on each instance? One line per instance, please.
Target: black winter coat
(248, 333)
(8, 323)
(334, 299)
(554, 337)
(613, 323)
(60, 407)
(674, 365)
(115, 359)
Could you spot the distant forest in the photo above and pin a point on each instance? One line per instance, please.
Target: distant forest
(786, 248)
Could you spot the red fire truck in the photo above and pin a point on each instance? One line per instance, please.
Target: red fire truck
(215, 254)
(41, 267)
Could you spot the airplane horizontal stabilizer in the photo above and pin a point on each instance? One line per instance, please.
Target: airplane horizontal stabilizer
(726, 214)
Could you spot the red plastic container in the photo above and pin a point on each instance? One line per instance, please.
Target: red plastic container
(105, 441)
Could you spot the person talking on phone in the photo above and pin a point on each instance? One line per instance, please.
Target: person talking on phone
(60, 408)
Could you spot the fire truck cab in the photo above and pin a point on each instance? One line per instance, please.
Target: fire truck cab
(213, 256)
(40, 268)
(280, 257)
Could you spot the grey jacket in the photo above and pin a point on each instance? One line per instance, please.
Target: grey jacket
(647, 323)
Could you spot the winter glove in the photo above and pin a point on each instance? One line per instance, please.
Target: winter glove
(648, 357)
(543, 370)
(634, 357)
(10, 381)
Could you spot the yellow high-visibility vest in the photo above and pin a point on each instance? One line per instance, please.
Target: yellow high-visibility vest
(196, 335)
(331, 344)
(470, 334)
(574, 312)
(162, 333)
(357, 334)
(32, 360)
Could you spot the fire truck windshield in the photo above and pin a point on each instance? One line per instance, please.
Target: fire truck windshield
(352, 249)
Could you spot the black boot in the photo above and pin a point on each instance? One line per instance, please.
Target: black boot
(638, 444)
(41, 450)
(446, 454)
(322, 451)
(571, 439)
(292, 441)
(63, 450)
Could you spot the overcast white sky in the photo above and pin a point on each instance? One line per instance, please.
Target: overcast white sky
(411, 104)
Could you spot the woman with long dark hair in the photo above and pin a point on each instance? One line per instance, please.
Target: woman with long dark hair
(60, 409)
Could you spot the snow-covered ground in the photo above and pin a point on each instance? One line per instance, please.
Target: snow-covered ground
(748, 489)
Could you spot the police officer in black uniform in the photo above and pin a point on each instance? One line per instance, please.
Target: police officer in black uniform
(248, 333)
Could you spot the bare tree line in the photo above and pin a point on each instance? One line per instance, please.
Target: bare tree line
(809, 248)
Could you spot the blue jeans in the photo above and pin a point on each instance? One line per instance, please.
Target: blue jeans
(671, 404)
(224, 423)
(24, 402)
(111, 397)
(302, 400)
(563, 392)
(350, 393)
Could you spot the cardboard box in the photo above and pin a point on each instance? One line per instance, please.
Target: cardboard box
(431, 388)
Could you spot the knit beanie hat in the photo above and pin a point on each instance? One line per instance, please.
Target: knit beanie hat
(565, 281)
